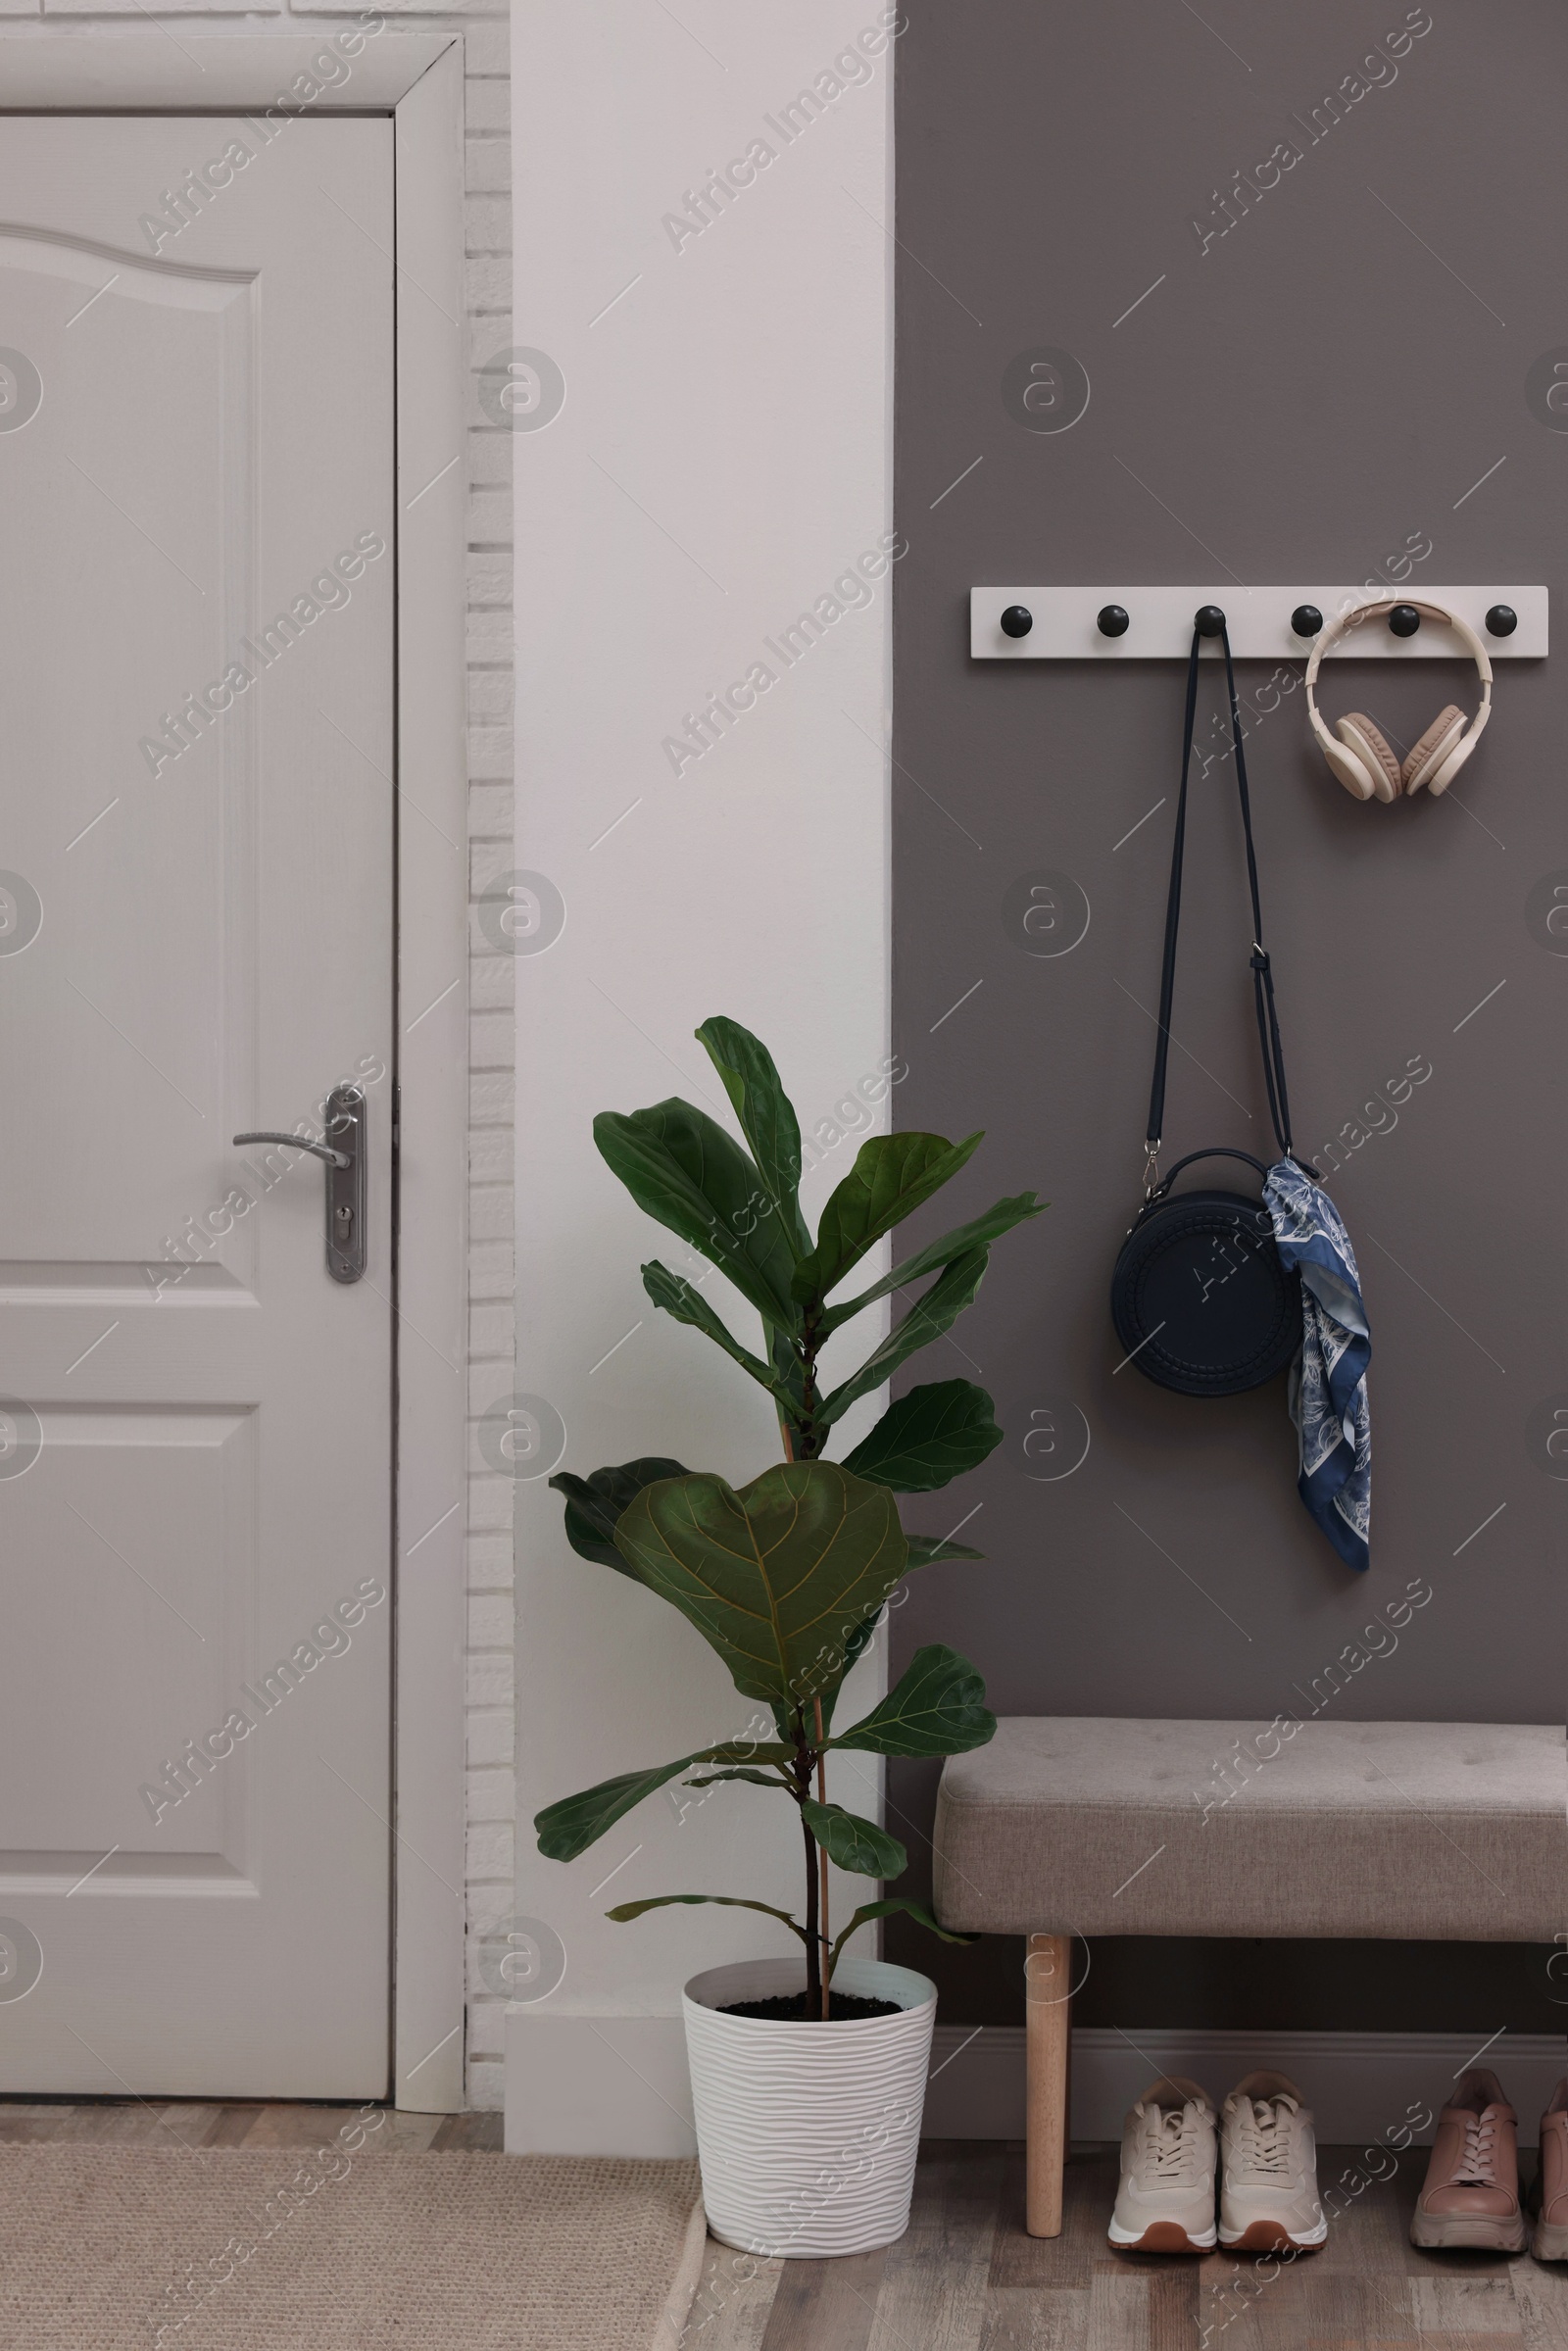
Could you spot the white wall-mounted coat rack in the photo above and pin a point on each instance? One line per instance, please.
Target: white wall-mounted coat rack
(1141, 625)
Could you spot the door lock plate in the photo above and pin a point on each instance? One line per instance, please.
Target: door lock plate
(347, 1117)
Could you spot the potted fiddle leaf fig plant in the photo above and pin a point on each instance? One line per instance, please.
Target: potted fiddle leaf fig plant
(809, 2069)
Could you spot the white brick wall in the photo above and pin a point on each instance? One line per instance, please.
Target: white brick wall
(486, 36)
(491, 1801)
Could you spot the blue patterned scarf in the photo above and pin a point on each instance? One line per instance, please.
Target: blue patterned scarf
(1328, 1381)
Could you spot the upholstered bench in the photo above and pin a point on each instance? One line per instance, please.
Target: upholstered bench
(1089, 1825)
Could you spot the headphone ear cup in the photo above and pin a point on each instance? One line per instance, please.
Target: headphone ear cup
(1431, 752)
(1371, 754)
(1349, 770)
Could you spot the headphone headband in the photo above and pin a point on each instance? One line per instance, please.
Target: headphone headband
(1371, 612)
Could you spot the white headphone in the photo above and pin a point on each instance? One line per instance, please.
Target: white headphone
(1362, 760)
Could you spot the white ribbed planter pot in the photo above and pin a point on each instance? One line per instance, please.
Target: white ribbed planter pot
(808, 2133)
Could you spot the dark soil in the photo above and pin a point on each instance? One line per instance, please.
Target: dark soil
(789, 2008)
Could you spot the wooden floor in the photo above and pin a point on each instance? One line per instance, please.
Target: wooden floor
(968, 2278)
(127, 2122)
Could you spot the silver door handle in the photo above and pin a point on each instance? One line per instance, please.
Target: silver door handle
(300, 1143)
(347, 1112)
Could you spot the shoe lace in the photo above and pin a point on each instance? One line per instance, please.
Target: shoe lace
(1170, 2142)
(1266, 2142)
(1477, 2164)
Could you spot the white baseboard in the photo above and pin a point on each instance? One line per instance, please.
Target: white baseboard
(618, 2084)
(1360, 2084)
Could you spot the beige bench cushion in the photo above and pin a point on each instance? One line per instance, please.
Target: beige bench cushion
(1091, 1825)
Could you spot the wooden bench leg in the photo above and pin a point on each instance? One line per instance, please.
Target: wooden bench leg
(1048, 2012)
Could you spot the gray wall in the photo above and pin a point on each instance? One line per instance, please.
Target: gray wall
(1309, 396)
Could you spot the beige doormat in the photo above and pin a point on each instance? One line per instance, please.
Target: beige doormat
(122, 2248)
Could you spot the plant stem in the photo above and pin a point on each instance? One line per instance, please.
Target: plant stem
(811, 1438)
(802, 1440)
(814, 1947)
(821, 1797)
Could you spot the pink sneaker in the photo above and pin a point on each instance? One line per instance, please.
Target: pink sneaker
(1471, 2196)
(1550, 2241)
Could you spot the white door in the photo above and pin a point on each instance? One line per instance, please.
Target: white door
(196, 866)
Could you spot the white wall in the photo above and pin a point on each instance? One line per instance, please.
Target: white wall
(721, 457)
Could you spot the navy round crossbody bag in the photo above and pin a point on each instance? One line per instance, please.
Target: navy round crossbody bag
(1200, 1297)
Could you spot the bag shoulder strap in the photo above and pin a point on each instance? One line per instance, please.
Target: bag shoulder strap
(1268, 1027)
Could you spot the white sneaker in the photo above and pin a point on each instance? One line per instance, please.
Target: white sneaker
(1165, 2203)
(1268, 2201)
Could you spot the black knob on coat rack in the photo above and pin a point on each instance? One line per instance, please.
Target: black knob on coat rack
(1306, 621)
(1404, 620)
(1209, 620)
(1017, 620)
(1111, 620)
(1501, 621)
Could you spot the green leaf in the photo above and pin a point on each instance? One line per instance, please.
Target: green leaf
(928, 1438)
(569, 1827)
(594, 1503)
(892, 1175)
(858, 1641)
(634, 1910)
(927, 1319)
(937, 1708)
(885, 1910)
(763, 1779)
(979, 1231)
(686, 1172)
(852, 1842)
(925, 1551)
(778, 1576)
(678, 1296)
(765, 1114)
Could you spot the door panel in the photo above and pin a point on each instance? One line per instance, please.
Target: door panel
(196, 840)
